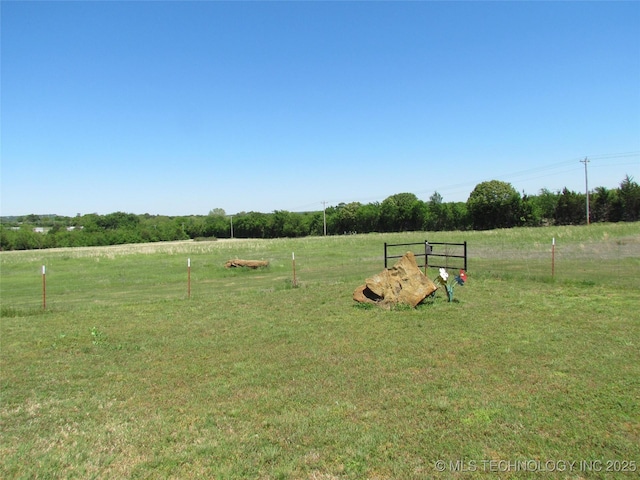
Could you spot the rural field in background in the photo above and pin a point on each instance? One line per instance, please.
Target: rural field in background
(124, 376)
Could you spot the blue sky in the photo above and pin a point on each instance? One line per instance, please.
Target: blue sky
(177, 108)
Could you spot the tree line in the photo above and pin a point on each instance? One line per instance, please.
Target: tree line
(492, 204)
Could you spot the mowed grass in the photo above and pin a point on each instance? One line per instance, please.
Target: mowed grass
(124, 376)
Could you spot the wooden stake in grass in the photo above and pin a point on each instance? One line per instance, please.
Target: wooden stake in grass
(44, 288)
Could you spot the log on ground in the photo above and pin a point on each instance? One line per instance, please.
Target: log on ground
(246, 263)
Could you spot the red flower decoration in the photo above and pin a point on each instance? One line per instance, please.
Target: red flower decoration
(460, 279)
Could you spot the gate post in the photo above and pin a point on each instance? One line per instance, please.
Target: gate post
(465, 255)
(427, 251)
(385, 254)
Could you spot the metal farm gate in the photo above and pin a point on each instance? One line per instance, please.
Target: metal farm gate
(447, 255)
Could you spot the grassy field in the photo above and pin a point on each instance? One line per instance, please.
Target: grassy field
(124, 376)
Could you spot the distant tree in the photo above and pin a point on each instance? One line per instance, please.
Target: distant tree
(286, 224)
(279, 219)
(494, 204)
(173, 228)
(252, 225)
(530, 214)
(547, 202)
(458, 215)
(32, 219)
(6, 238)
(314, 223)
(447, 216)
(218, 212)
(194, 227)
(601, 204)
(418, 214)
(116, 220)
(294, 226)
(54, 229)
(89, 222)
(217, 226)
(436, 199)
(400, 212)
(27, 239)
(630, 197)
(435, 216)
(571, 208)
(368, 218)
(347, 217)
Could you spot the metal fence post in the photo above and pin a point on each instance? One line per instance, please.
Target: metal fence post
(465, 255)
(426, 255)
(385, 254)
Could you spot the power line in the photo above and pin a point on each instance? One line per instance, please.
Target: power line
(614, 155)
(550, 168)
(553, 169)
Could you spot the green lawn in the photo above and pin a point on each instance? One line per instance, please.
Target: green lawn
(124, 376)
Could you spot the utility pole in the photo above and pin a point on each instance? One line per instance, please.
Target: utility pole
(586, 185)
(231, 216)
(324, 217)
